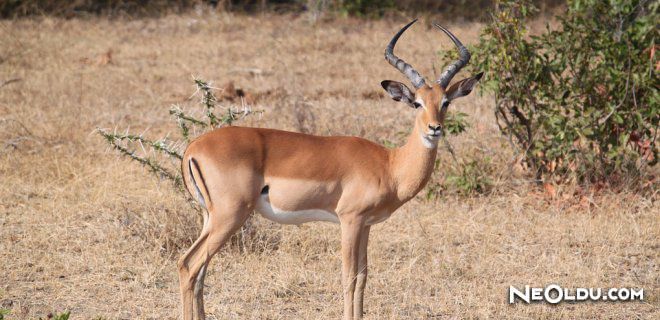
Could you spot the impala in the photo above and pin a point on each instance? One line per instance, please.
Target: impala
(293, 178)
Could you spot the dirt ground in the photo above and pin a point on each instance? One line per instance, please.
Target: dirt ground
(84, 230)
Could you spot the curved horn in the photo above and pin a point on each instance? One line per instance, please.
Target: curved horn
(416, 79)
(452, 69)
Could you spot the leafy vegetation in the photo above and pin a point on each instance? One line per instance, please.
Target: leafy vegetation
(455, 123)
(59, 316)
(579, 101)
(362, 8)
(470, 177)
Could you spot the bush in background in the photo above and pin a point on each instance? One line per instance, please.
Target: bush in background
(580, 102)
(464, 9)
(67, 8)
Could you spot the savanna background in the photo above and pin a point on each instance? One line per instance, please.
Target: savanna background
(87, 232)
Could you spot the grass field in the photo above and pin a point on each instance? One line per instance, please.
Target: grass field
(84, 230)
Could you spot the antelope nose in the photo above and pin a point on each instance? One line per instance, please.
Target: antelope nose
(435, 127)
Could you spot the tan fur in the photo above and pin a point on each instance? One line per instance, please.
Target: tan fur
(362, 182)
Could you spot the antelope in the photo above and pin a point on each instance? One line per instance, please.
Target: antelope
(293, 178)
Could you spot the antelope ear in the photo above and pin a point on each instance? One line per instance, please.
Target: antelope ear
(399, 92)
(462, 88)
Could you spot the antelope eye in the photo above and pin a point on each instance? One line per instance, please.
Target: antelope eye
(417, 104)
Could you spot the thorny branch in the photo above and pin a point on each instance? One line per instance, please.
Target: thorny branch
(124, 143)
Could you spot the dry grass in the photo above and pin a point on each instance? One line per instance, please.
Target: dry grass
(84, 230)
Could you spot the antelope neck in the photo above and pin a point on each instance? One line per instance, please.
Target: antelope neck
(412, 164)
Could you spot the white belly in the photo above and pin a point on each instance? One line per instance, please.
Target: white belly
(272, 213)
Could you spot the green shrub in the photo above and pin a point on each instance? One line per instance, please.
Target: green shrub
(62, 316)
(365, 8)
(455, 123)
(3, 313)
(461, 177)
(579, 101)
(470, 177)
(58, 316)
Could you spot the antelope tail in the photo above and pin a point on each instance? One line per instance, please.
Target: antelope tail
(201, 193)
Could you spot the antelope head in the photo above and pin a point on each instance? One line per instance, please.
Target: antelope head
(432, 100)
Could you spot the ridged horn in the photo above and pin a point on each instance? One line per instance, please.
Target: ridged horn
(410, 72)
(452, 69)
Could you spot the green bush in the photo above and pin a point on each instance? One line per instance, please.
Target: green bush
(579, 101)
(365, 8)
(59, 316)
(470, 177)
(462, 177)
(455, 123)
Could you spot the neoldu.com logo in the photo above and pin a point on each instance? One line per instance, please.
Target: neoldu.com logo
(554, 294)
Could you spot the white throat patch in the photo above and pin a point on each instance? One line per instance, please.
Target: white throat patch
(428, 141)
